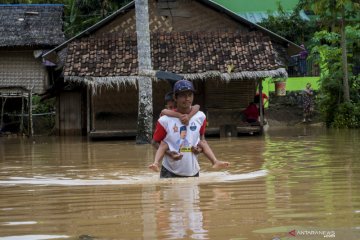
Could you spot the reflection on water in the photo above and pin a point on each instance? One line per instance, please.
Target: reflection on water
(301, 180)
(178, 214)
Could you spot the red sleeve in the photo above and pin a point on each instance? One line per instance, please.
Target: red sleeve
(160, 133)
(203, 127)
(265, 96)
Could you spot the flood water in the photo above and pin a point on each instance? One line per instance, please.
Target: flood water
(292, 181)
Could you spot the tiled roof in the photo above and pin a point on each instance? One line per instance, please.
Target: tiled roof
(31, 25)
(184, 53)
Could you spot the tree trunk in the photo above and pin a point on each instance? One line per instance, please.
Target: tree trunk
(344, 59)
(145, 106)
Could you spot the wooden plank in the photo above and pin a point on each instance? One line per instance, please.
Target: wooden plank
(113, 133)
(239, 129)
(249, 129)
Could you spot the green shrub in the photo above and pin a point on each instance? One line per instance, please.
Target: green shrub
(43, 107)
(347, 115)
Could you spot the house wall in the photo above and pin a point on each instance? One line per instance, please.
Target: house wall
(183, 15)
(225, 101)
(20, 68)
(69, 110)
(117, 109)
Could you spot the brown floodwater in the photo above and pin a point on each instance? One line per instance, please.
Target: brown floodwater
(290, 181)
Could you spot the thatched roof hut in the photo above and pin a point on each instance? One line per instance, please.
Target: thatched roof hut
(112, 59)
(225, 55)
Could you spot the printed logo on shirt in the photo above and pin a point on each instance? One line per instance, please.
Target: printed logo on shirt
(183, 143)
(185, 149)
(193, 126)
(175, 128)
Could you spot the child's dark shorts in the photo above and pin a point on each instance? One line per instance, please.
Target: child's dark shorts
(164, 173)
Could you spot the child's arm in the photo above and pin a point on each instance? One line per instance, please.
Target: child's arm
(217, 164)
(170, 113)
(194, 110)
(184, 118)
(160, 152)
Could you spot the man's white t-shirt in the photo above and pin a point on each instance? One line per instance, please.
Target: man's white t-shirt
(181, 138)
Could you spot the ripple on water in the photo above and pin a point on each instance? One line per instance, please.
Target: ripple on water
(141, 179)
(34, 237)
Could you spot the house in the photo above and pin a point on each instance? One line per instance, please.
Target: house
(26, 31)
(225, 56)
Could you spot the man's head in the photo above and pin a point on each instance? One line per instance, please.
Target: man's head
(184, 94)
(182, 86)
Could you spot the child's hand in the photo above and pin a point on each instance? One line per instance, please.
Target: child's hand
(196, 150)
(175, 155)
(184, 118)
(155, 167)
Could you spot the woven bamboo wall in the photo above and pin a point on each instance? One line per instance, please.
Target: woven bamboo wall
(183, 15)
(224, 101)
(229, 95)
(117, 109)
(20, 68)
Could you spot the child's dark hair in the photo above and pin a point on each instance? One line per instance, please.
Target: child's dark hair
(169, 96)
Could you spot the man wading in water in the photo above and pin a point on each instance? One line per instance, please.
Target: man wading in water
(181, 160)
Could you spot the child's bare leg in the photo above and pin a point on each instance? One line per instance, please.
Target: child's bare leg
(217, 164)
(160, 152)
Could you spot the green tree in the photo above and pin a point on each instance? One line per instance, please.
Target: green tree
(336, 13)
(337, 112)
(81, 14)
(290, 25)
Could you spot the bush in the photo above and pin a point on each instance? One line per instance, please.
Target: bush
(347, 115)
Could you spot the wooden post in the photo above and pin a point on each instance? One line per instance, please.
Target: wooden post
(88, 109)
(58, 114)
(92, 112)
(2, 112)
(22, 113)
(30, 127)
(261, 107)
